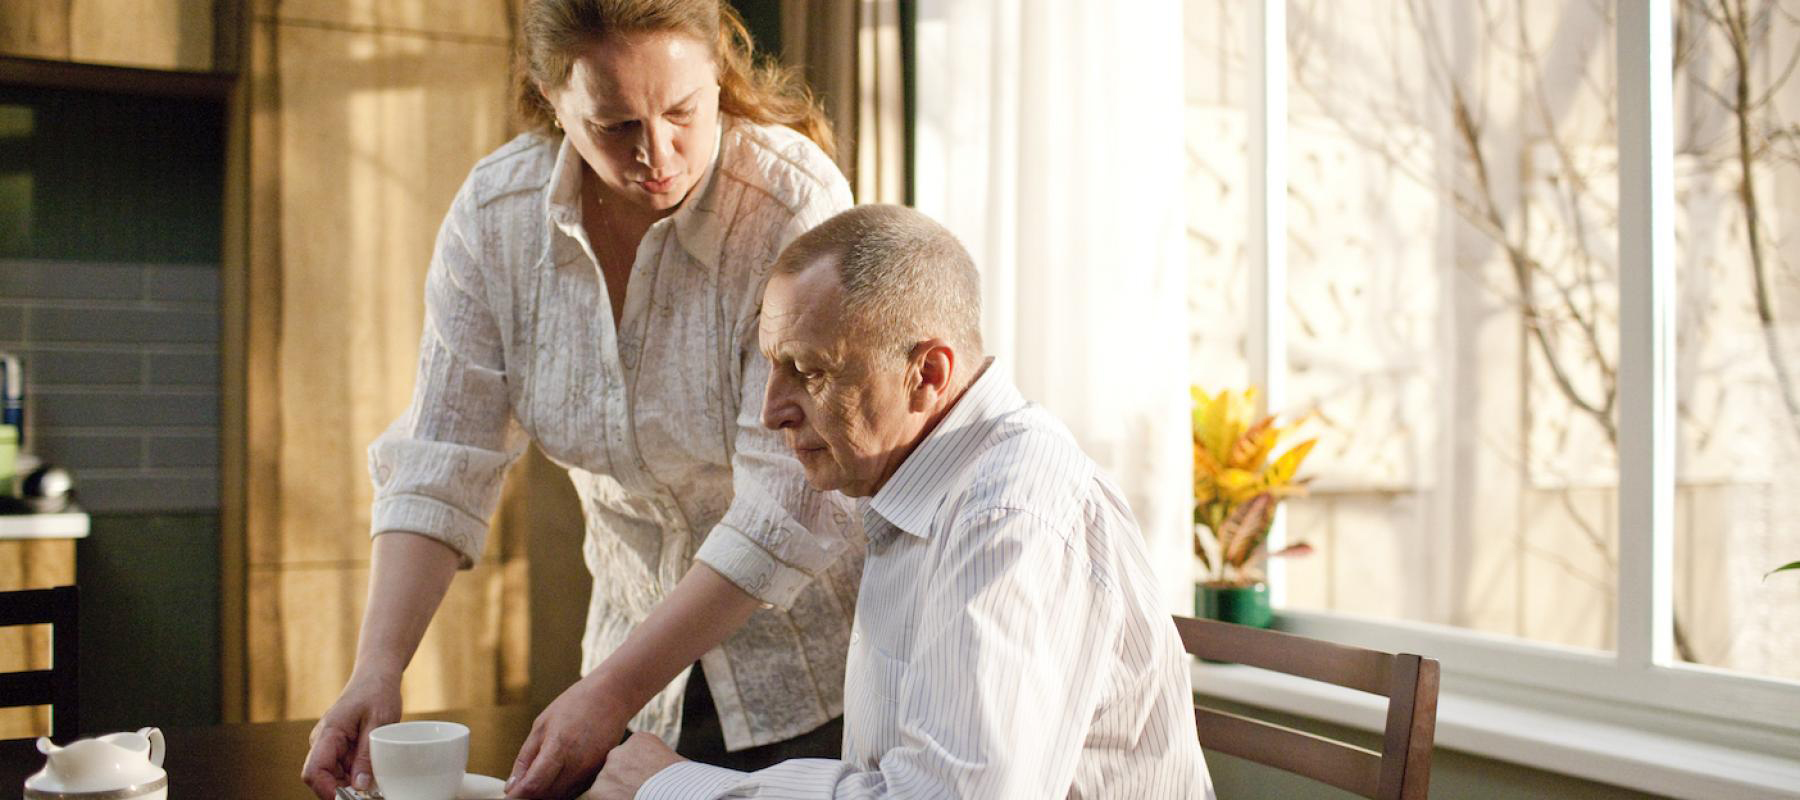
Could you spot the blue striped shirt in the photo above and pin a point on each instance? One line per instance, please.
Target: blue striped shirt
(1008, 640)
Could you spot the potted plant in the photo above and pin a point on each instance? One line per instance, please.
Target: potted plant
(1239, 483)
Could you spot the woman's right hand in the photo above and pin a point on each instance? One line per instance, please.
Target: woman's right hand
(408, 575)
(340, 742)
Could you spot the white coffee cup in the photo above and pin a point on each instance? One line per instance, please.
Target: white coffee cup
(421, 760)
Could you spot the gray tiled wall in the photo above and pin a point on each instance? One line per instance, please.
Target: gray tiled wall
(122, 377)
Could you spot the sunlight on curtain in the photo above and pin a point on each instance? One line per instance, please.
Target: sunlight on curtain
(1049, 138)
(850, 56)
(358, 141)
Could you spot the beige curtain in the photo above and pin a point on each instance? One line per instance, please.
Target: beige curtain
(359, 122)
(850, 55)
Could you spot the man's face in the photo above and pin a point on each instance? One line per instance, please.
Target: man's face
(844, 410)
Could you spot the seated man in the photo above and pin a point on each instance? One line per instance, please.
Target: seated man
(1008, 639)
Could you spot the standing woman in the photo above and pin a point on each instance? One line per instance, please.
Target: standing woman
(595, 288)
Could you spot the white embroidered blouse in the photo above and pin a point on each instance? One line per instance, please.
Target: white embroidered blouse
(658, 423)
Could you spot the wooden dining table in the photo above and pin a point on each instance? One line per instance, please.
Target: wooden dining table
(258, 760)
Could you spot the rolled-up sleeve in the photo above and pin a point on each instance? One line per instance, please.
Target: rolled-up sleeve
(437, 469)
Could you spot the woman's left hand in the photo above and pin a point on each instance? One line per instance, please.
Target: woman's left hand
(630, 765)
(571, 738)
(569, 741)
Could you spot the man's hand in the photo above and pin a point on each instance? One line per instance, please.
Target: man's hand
(339, 755)
(569, 741)
(629, 765)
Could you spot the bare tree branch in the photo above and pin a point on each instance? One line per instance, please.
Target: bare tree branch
(1555, 278)
(1738, 34)
(1523, 267)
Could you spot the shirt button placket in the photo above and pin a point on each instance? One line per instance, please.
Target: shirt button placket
(615, 429)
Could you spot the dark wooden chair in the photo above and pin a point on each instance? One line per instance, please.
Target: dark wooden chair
(56, 686)
(1402, 769)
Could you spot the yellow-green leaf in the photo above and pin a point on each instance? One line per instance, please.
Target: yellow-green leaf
(1233, 479)
(1212, 431)
(1286, 490)
(1201, 398)
(1247, 407)
(1282, 472)
(1204, 463)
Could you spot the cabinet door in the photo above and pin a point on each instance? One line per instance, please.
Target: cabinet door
(30, 564)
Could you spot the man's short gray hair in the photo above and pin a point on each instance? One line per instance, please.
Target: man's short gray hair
(905, 278)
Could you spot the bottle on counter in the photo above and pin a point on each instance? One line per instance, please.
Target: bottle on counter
(9, 460)
(12, 394)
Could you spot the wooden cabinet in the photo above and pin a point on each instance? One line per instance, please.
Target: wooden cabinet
(30, 564)
(152, 34)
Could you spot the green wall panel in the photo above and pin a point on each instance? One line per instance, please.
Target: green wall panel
(763, 18)
(149, 621)
(96, 176)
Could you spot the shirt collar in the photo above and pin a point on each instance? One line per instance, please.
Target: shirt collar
(696, 222)
(911, 497)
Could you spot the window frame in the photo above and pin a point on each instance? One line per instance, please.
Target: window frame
(1640, 683)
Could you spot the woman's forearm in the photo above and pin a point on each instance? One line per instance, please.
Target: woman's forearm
(703, 610)
(408, 576)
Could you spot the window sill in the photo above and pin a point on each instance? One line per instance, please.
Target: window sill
(1554, 741)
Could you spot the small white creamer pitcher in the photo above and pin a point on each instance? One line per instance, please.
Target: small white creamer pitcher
(117, 766)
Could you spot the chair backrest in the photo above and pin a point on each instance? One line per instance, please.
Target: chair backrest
(1402, 769)
(56, 687)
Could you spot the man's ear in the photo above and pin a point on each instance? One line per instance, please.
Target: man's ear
(934, 372)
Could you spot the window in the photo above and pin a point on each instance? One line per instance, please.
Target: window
(1509, 476)
(1450, 278)
(1737, 384)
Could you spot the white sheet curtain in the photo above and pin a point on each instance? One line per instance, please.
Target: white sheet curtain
(1049, 138)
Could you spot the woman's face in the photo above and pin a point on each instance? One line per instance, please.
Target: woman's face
(643, 112)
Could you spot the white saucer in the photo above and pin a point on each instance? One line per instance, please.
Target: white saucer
(481, 787)
(474, 787)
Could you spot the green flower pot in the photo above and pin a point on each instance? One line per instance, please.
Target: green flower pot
(1247, 605)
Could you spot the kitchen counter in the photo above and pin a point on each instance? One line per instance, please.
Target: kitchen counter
(62, 525)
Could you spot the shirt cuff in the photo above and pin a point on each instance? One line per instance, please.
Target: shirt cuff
(686, 780)
(754, 569)
(431, 518)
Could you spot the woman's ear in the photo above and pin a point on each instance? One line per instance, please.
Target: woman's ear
(934, 373)
(544, 94)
